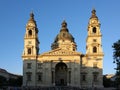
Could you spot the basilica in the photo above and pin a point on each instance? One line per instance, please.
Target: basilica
(63, 65)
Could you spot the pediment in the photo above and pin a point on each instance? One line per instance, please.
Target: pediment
(61, 52)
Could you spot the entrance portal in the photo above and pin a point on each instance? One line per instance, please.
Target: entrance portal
(61, 74)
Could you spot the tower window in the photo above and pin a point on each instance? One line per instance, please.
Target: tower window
(39, 65)
(30, 32)
(29, 50)
(39, 76)
(29, 74)
(29, 65)
(95, 76)
(94, 29)
(94, 49)
(83, 76)
(73, 49)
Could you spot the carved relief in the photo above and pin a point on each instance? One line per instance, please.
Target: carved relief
(61, 52)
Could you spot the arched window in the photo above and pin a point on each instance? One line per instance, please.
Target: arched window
(30, 32)
(28, 76)
(95, 77)
(94, 49)
(83, 77)
(40, 76)
(29, 50)
(94, 29)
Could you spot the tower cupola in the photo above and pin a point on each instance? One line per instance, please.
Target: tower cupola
(94, 14)
(64, 26)
(31, 21)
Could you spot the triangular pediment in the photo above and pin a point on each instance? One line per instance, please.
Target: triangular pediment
(61, 52)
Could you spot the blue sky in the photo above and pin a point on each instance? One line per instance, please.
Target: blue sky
(49, 15)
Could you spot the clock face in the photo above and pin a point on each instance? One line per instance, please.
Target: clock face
(30, 24)
(93, 21)
(29, 42)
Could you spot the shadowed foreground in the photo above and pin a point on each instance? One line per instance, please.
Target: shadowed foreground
(56, 88)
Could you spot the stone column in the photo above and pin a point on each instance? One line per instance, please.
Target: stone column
(53, 77)
(68, 77)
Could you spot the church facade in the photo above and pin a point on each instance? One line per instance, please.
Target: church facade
(63, 65)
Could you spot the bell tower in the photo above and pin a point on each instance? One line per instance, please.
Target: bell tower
(31, 42)
(94, 45)
(94, 52)
(30, 52)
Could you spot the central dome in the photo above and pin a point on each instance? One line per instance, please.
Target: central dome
(64, 34)
(64, 39)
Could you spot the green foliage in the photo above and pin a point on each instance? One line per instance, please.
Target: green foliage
(19, 81)
(15, 82)
(116, 55)
(3, 81)
(106, 82)
(10, 81)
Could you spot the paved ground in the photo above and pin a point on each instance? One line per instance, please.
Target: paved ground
(60, 88)
(106, 89)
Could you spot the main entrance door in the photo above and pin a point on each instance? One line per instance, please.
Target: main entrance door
(61, 74)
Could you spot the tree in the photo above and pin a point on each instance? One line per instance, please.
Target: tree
(19, 81)
(106, 81)
(15, 82)
(116, 55)
(3, 81)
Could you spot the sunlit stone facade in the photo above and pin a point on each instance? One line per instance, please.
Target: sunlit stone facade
(63, 65)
